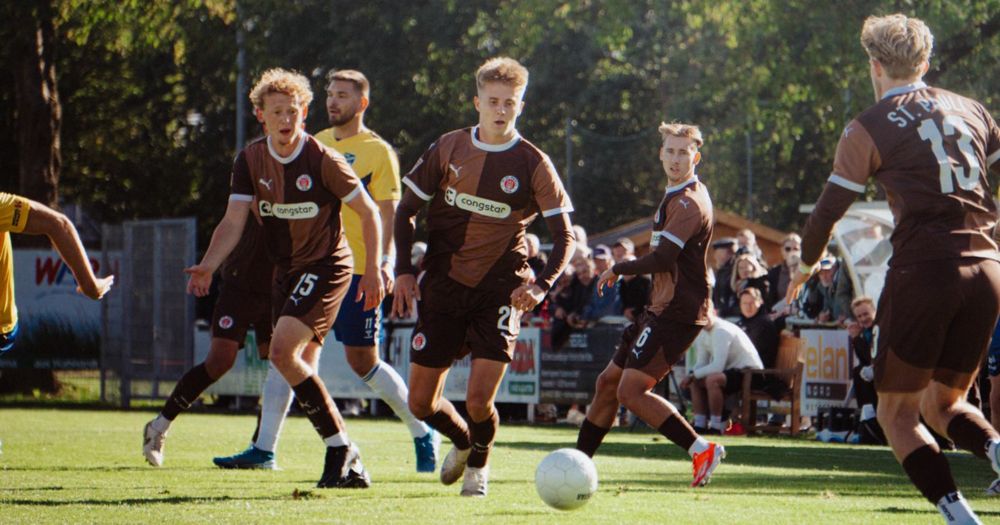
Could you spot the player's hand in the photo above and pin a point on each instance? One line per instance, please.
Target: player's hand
(526, 297)
(99, 287)
(371, 289)
(795, 287)
(853, 329)
(608, 278)
(388, 277)
(199, 280)
(407, 292)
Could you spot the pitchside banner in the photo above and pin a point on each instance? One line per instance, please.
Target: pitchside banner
(59, 328)
(520, 383)
(826, 377)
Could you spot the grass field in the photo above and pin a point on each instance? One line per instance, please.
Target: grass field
(83, 466)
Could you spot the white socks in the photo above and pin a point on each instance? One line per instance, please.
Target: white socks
(993, 453)
(160, 424)
(339, 439)
(867, 412)
(700, 420)
(276, 397)
(386, 382)
(715, 423)
(700, 445)
(955, 509)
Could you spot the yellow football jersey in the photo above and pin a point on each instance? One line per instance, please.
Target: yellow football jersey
(13, 216)
(375, 162)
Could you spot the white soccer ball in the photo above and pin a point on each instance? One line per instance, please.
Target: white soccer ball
(566, 479)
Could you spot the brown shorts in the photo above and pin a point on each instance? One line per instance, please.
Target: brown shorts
(653, 344)
(934, 321)
(454, 320)
(236, 310)
(311, 294)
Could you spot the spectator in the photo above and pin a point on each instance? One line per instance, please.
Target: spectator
(582, 248)
(634, 292)
(746, 242)
(572, 299)
(820, 300)
(622, 249)
(761, 330)
(536, 258)
(747, 271)
(861, 333)
(722, 295)
(722, 352)
(780, 274)
(417, 253)
(608, 303)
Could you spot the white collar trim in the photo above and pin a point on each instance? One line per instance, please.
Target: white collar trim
(494, 147)
(293, 156)
(920, 84)
(681, 186)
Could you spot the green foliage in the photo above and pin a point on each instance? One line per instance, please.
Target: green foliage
(77, 466)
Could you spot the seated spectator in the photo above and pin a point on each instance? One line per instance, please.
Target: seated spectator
(780, 274)
(747, 271)
(758, 326)
(632, 289)
(722, 352)
(723, 295)
(569, 303)
(861, 333)
(606, 303)
(818, 293)
(746, 242)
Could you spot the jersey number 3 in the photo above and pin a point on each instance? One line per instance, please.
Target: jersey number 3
(953, 124)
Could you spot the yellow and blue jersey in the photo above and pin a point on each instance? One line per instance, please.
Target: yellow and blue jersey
(13, 217)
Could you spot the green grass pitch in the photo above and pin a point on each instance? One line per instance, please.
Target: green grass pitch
(84, 466)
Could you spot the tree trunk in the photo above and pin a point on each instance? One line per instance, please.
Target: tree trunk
(39, 115)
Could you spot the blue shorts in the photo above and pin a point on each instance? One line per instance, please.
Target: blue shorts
(354, 326)
(993, 357)
(7, 339)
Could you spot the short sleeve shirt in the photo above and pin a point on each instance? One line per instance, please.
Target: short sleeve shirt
(298, 200)
(13, 217)
(482, 198)
(685, 218)
(376, 164)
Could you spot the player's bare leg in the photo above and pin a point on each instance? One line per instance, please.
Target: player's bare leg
(715, 385)
(699, 404)
(484, 381)
(221, 356)
(389, 386)
(342, 466)
(919, 454)
(602, 411)
(635, 391)
(427, 403)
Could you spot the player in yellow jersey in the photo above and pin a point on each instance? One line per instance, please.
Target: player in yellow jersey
(375, 162)
(21, 215)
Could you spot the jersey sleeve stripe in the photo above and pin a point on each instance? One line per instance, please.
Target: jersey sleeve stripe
(557, 211)
(846, 184)
(355, 193)
(995, 156)
(240, 197)
(413, 186)
(672, 238)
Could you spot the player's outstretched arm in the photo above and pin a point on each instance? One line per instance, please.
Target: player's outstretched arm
(224, 239)
(43, 220)
(370, 287)
(406, 290)
(387, 212)
(527, 296)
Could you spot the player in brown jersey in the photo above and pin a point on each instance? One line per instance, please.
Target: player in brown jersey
(677, 310)
(295, 186)
(930, 149)
(484, 186)
(244, 301)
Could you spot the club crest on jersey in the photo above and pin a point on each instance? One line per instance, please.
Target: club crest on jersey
(304, 183)
(225, 322)
(350, 158)
(419, 341)
(509, 184)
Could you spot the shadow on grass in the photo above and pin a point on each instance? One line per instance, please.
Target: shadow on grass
(153, 500)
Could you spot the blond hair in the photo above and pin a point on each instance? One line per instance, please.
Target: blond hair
(676, 129)
(899, 43)
(860, 300)
(735, 283)
(504, 70)
(283, 81)
(355, 77)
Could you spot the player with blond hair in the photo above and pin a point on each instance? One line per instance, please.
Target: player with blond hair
(483, 186)
(677, 312)
(930, 149)
(295, 187)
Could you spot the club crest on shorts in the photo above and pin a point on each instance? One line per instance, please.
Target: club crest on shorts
(304, 183)
(225, 322)
(509, 184)
(419, 341)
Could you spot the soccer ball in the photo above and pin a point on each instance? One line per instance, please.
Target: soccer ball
(566, 479)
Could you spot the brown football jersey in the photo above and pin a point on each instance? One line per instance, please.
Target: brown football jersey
(248, 266)
(684, 218)
(482, 197)
(931, 151)
(297, 199)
